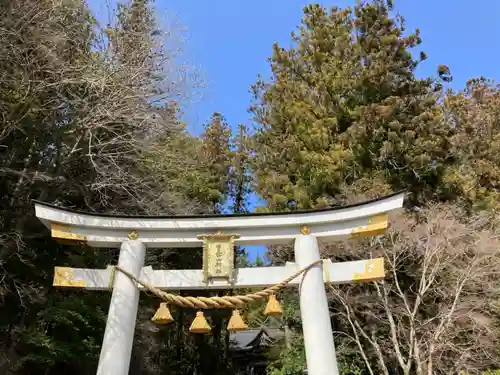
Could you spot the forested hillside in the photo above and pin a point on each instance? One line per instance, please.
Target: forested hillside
(90, 120)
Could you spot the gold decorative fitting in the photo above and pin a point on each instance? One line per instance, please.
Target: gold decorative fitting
(273, 307)
(63, 276)
(133, 235)
(374, 270)
(112, 274)
(218, 255)
(162, 315)
(377, 225)
(62, 232)
(326, 270)
(236, 322)
(305, 229)
(200, 324)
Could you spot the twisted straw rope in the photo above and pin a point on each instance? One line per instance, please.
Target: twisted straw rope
(216, 302)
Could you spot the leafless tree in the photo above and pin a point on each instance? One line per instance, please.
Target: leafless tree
(109, 93)
(435, 313)
(88, 118)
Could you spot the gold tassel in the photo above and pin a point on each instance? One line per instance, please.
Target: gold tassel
(200, 324)
(162, 315)
(273, 307)
(236, 322)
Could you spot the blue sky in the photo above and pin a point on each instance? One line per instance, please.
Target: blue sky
(231, 40)
(229, 43)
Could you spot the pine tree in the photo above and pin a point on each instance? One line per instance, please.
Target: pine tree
(240, 170)
(345, 115)
(474, 114)
(216, 148)
(345, 118)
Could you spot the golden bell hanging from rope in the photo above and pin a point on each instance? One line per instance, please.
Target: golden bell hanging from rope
(200, 324)
(273, 307)
(236, 322)
(162, 315)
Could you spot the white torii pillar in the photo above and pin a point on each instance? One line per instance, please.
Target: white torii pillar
(116, 347)
(316, 324)
(134, 234)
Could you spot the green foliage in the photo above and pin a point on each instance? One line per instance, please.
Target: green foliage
(67, 334)
(351, 364)
(88, 122)
(241, 178)
(180, 167)
(291, 359)
(344, 116)
(475, 115)
(216, 148)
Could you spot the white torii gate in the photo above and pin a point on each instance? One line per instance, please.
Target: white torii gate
(134, 234)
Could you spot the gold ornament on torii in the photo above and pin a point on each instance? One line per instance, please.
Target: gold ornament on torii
(218, 256)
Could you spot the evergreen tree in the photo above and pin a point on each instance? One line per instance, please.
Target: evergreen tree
(240, 170)
(345, 118)
(240, 183)
(216, 148)
(344, 113)
(474, 115)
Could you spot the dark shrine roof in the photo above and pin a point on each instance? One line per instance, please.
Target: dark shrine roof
(254, 338)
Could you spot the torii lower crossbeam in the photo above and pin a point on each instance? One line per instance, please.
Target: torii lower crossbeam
(254, 277)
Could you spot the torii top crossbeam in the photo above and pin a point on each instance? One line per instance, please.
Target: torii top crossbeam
(329, 224)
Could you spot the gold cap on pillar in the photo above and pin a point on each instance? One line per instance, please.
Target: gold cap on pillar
(273, 307)
(200, 324)
(236, 322)
(162, 315)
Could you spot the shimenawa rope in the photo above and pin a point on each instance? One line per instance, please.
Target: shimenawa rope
(215, 302)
